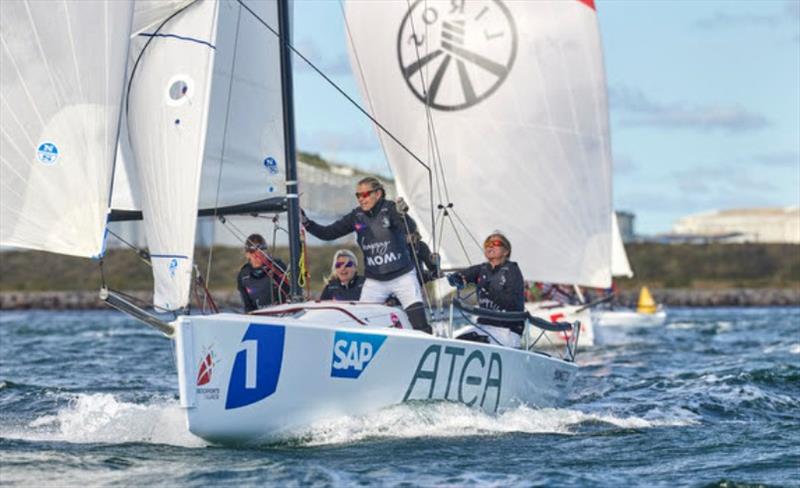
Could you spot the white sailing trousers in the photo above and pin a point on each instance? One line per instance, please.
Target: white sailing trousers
(405, 287)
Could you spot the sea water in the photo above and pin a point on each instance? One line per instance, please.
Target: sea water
(710, 399)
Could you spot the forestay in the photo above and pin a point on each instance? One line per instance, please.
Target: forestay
(63, 68)
(516, 95)
(620, 266)
(167, 112)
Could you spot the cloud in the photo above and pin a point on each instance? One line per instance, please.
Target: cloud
(789, 15)
(638, 110)
(340, 65)
(715, 182)
(785, 159)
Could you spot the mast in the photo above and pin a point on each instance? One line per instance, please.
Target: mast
(292, 203)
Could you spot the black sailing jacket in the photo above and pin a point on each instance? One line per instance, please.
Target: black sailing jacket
(259, 287)
(345, 292)
(381, 234)
(501, 288)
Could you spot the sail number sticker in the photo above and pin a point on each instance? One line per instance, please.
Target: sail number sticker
(47, 153)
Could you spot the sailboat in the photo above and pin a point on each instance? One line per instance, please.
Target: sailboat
(134, 122)
(647, 313)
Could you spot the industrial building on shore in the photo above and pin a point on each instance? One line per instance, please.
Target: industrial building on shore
(763, 225)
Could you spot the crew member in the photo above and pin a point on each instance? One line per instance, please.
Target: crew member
(262, 280)
(500, 287)
(381, 234)
(344, 284)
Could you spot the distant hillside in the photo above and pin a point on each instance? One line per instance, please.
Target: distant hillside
(660, 266)
(714, 266)
(39, 271)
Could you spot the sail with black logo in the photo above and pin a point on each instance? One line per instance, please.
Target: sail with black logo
(506, 104)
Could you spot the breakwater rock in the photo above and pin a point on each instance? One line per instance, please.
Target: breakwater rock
(90, 300)
(229, 299)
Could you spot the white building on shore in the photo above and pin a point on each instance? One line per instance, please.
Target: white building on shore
(769, 225)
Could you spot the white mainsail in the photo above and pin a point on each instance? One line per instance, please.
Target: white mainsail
(63, 68)
(620, 266)
(167, 113)
(244, 160)
(517, 98)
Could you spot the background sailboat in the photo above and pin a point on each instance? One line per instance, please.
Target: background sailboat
(648, 316)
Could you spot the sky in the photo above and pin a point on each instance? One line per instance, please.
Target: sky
(704, 100)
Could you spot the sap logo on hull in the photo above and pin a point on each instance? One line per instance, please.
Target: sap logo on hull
(257, 366)
(352, 352)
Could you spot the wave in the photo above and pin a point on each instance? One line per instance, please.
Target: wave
(101, 418)
(415, 420)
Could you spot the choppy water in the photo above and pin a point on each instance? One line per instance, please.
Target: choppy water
(89, 398)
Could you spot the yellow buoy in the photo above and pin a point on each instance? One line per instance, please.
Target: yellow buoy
(646, 302)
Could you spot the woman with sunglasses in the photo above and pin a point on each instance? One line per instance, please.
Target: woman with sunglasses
(500, 287)
(381, 231)
(345, 284)
(262, 279)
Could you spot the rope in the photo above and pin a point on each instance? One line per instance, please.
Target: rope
(224, 140)
(140, 253)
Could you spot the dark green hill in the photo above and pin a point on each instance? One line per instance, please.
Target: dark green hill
(656, 265)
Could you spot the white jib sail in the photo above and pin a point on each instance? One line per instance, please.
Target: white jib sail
(620, 266)
(517, 96)
(167, 111)
(244, 156)
(63, 69)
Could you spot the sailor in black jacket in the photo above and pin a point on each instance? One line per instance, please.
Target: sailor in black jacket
(261, 281)
(345, 284)
(500, 287)
(381, 234)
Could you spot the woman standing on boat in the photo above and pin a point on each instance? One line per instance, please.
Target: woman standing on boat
(500, 287)
(345, 284)
(381, 234)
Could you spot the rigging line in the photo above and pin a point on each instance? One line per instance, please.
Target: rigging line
(344, 94)
(437, 158)
(361, 74)
(428, 119)
(224, 140)
(469, 232)
(460, 242)
(140, 253)
(417, 267)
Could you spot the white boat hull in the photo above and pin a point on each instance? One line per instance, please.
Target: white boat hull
(553, 312)
(629, 318)
(249, 379)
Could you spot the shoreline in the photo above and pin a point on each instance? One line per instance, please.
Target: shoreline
(229, 299)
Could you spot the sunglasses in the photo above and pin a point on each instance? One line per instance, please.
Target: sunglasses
(493, 243)
(348, 264)
(364, 194)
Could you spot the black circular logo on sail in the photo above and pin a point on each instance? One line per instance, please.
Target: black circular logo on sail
(455, 53)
